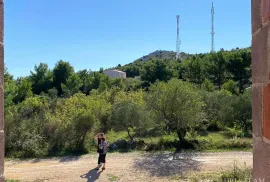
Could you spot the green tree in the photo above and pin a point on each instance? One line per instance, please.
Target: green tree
(177, 103)
(101, 70)
(103, 87)
(24, 127)
(195, 70)
(239, 65)
(83, 124)
(10, 91)
(61, 73)
(130, 117)
(132, 84)
(154, 70)
(52, 93)
(117, 82)
(85, 77)
(41, 78)
(7, 75)
(100, 80)
(131, 70)
(136, 97)
(217, 106)
(208, 85)
(218, 67)
(72, 86)
(242, 109)
(230, 86)
(24, 89)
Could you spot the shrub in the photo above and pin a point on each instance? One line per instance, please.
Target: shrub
(121, 144)
(163, 143)
(237, 174)
(230, 86)
(140, 145)
(231, 133)
(83, 124)
(234, 144)
(214, 126)
(208, 85)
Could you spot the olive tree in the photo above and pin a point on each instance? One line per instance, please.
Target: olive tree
(242, 109)
(177, 104)
(130, 117)
(83, 124)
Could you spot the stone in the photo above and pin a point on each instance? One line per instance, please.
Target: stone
(261, 160)
(2, 144)
(266, 111)
(265, 11)
(257, 91)
(256, 15)
(260, 56)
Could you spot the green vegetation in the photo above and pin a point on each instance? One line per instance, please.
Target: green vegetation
(112, 177)
(236, 173)
(198, 103)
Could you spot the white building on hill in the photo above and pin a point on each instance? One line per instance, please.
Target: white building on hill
(115, 74)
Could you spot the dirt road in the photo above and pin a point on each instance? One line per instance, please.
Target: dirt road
(122, 167)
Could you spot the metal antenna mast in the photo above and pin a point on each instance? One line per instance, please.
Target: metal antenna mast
(213, 31)
(178, 42)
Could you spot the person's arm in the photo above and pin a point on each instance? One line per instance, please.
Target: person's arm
(105, 144)
(96, 136)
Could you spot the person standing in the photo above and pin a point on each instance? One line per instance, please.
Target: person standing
(102, 150)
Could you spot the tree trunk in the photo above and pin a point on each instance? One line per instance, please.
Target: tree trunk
(245, 127)
(181, 134)
(131, 137)
(83, 139)
(241, 86)
(219, 84)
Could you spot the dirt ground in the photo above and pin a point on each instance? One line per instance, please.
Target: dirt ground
(123, 167)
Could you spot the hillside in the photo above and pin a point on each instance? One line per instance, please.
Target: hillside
(158, 54)
(161, 54)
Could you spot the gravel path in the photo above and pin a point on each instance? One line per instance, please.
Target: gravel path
(122, 167)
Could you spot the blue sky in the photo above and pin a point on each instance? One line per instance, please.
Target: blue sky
(93, 33)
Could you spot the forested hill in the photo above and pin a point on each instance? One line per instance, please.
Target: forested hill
(161, 54)
(218, 67)
(164, 54)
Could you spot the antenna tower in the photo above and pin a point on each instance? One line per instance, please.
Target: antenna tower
(178, 42)
(213, 31)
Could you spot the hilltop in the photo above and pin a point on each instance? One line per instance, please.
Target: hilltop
(164, 54)
(161, 54)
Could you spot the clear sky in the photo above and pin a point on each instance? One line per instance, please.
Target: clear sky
(96, 33)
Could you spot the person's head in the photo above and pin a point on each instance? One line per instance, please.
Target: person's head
(101, 135)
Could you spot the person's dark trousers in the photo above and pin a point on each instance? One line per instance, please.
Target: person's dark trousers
(101, 158)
